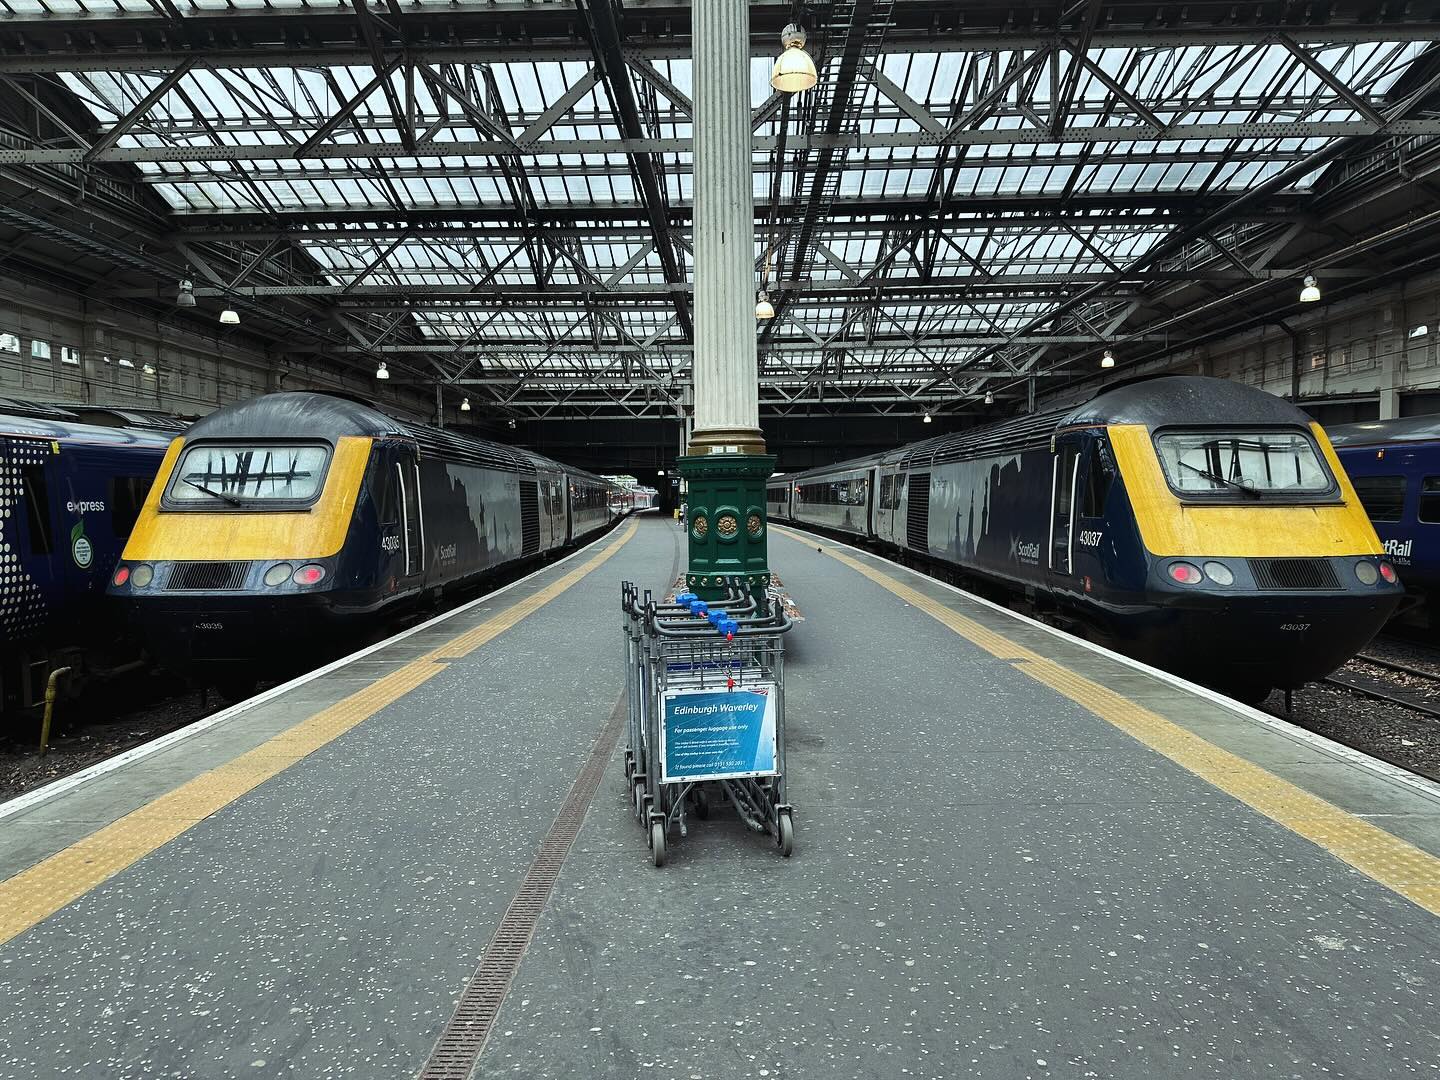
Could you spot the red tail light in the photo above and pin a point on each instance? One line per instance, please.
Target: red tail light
(1185, 573)
(122, 575)
(309, 575)
(1388, 573)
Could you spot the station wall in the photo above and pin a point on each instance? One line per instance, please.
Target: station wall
(1367, 358)
(62, 348)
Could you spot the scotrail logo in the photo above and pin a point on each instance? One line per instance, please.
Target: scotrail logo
(1398, 549)
(1024, 551)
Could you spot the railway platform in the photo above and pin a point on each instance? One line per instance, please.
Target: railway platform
(1015, 856)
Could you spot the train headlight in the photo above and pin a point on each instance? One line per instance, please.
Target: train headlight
(278, 574)
(1219, 573)
(122, 575)
(141, 576)
(1388, 573)
(1186, 573)
(310, 574)
(1367, 573)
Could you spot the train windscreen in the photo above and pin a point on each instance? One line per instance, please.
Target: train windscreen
(242, 475)
(1253, 463)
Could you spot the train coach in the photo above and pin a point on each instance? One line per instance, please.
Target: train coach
(297, 521)
(1198, 524)
(69, 497)
(1395, 468)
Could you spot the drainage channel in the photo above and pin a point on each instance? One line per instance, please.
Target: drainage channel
(464, 1037)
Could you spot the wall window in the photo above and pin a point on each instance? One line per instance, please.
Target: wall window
(1382, 496)
(9, 343)
(40, 350)
(69, 355)
(1419, 331)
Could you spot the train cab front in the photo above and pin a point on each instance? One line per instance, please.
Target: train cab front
(1262, 569)
(237, 567)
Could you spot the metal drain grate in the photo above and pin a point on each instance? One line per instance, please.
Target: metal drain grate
(459, 1045)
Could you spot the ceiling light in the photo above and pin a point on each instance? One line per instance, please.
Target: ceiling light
(1311, 292)
(1108, 360)
(465, 405)
(763, 308)
(659, 472)
(186, 296)
(989, 397)
(230, 317)
(794, 71)
(381, 372)
(925, 419)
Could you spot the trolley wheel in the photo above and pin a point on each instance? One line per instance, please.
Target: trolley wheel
(657, 842)
(785, 834)
(639, 802)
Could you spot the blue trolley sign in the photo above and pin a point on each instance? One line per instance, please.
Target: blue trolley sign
(718, 734)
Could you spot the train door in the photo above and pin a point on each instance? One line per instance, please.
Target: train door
(31, 532)
(872, 499)
(412, 524)
(1065, 473)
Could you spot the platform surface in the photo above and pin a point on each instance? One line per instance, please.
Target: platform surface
(1015, 857)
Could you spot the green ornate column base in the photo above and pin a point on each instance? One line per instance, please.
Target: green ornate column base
(729, 534)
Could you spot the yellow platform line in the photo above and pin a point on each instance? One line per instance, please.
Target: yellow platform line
(43, 889)
(1398, 865)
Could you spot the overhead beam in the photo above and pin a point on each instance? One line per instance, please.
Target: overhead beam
(107, 141)
(640, 145)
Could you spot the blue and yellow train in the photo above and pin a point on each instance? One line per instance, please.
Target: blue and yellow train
(297, 521)
(1201, 525)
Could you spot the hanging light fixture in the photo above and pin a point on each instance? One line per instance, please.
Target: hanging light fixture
(186, 296)
(794, 71)
(382, 372)
(1108, 360)
(763, 308)
(465, 405)
(1311, 292)
(925, 419)
(230, 317)
(989, 397)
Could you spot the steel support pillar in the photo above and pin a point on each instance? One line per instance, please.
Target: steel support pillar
(725, 465)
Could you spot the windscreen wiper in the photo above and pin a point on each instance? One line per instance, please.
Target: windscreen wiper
(1217, 478)
(211, 491)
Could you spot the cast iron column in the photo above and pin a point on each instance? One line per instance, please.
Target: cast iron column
(725, 464)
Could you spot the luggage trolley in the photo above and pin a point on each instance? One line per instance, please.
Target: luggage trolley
(706, 689)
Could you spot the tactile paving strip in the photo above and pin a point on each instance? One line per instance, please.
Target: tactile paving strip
(1394, 863)
(464, 1037)
(43, 889)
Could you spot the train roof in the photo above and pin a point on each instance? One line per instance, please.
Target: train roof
(66, 431)
(1377, 432)
(1170, 399)
(294, 414)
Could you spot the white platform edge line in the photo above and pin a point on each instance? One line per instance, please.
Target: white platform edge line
(100, 768)
(1421, 785)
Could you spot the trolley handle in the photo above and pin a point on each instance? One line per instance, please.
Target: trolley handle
(781, 624)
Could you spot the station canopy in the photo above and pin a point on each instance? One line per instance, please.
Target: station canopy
(495, 196)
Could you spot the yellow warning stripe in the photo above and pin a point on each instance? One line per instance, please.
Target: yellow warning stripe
(43, 889)
(1394, 863)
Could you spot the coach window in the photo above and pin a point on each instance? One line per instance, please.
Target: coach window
(1098, 477)
(1382, 496)
(1430, 500)
(127, 496)
(37, 509)
(387, 506)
